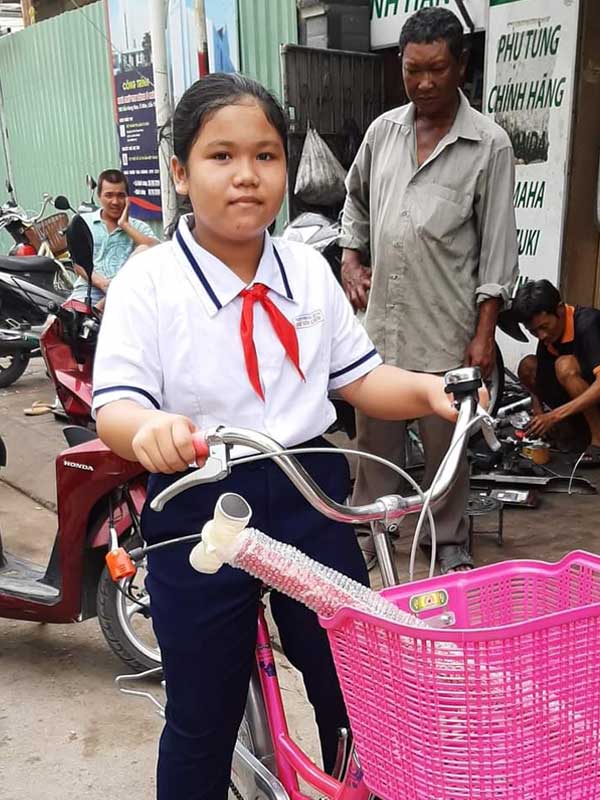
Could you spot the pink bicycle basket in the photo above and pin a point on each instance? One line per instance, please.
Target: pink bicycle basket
(503, 703)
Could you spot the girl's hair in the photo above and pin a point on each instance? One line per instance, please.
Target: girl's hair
(212, 93)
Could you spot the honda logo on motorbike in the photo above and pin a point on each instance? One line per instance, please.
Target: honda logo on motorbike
(78, 466)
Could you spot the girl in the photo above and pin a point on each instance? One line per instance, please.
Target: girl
(226, 325)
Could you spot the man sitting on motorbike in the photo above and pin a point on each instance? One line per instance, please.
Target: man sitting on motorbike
(115, 236)
(565, 371)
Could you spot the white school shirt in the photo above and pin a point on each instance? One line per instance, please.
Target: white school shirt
(170, 339)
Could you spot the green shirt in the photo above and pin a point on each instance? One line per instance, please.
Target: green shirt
(111, 250)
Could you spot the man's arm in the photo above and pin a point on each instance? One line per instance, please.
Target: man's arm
(498, 253)
(137, 236)
(356, 279)
(543, 422)
(355, 236)
(481, 351)
(99, 281)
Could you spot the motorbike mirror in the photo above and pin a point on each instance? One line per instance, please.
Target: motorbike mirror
(91, 183)
(9, 187)
(62, 203)
(81, 244)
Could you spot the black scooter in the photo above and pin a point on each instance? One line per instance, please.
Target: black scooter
(28, 287)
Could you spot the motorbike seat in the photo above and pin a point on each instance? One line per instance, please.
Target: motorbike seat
(18, 264)
(75, 435)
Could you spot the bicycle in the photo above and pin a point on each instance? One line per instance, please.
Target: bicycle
(411, 705)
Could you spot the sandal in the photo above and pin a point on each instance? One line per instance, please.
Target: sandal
(453, 556)
(450, 557)
(39, 407)
(591, 457)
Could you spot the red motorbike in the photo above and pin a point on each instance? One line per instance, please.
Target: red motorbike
(100, 497)
(68, 344)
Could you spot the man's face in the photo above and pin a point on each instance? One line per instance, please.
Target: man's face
(548, 328)
(112, 199)
(431, 76)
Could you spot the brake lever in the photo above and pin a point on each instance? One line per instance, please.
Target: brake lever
(215, 468)
(488, 429)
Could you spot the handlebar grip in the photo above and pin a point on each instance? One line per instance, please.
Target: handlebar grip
(200, 446)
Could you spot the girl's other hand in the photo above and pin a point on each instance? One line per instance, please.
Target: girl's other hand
(442, 404)
(164, 443)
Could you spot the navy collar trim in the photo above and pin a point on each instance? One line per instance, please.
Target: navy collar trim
(197, 269)
(284, 277)
(204, 281)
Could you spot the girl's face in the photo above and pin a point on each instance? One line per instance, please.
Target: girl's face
(235, 174)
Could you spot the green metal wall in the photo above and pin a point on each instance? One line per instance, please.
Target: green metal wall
(264, 26)
(58, 104)
(55, 78)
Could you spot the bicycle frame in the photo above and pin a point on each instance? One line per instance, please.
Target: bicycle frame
(290, 760)
(276, 764)
(287, 762)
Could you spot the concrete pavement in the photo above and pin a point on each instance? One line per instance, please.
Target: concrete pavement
(32, 443)
(65, 734)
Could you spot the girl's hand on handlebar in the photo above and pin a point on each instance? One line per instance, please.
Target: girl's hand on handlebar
(164, 443)
(442, 404)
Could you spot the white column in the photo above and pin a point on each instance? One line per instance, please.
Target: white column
(158, 24)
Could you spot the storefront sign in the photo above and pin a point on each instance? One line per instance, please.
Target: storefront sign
(530, 69)
(388, 17)
(129, 26)
(531, 54)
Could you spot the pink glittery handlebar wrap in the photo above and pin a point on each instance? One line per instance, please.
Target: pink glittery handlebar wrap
(320, 588)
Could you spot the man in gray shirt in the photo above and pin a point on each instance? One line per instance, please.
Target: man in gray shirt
(430, 209)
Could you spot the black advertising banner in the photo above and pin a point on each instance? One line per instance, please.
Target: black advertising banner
(129, 26)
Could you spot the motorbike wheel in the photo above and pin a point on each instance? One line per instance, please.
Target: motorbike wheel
(12, 367)
(125, 619)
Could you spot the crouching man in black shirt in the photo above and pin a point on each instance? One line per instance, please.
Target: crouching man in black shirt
(565, 371)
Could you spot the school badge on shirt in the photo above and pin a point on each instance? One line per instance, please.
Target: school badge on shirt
(310, 320)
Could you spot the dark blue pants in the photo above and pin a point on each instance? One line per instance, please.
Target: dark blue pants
(206, 624)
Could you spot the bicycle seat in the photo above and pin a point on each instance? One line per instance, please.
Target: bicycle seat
(19, 264)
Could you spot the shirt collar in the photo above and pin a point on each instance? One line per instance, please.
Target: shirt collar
(219, 283)
(95, 216)
(463, 126)
(464, 122)
(569, 332)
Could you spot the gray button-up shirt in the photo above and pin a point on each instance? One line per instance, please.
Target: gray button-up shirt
(440, 237)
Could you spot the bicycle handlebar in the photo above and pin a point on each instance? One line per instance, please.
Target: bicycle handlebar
(18, 214)
(213, 447)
